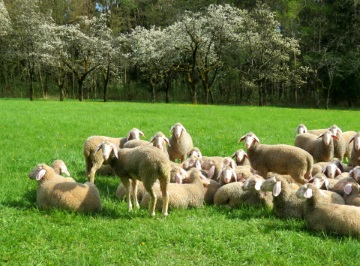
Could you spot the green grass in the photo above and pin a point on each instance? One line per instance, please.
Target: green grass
(41, 131)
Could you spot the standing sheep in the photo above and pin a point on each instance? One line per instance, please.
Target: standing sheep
(180, 143)
(281, 158)
(321, 147)
(328, 217)
(144, 163)
(94, 159)
(189, 194)
(54, 192)
(340, 143)
(355, 151)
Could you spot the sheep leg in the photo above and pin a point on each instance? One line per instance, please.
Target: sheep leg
(88, 164)
(152, 202)
(135, 192)
(165, 197)
(126, 183)
(93, 170)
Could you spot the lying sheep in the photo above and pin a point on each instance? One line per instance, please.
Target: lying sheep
(94, 159)
(54, 192)
(321, 147)
(241, 157)
(189, 194)
(355, 151)
(285, 202)
(180, 143)
(352, 194)
(243, 172)
(233, 196)
(318, 168)
(253, 183)
(195, 152)
(227, 175)
(328, 217)
(121, 191)
(281, 158)
(210, 192)
(144, 163)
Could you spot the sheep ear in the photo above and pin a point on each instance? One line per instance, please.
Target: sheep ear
(172, 128)
(211, 172)
(233, 164)
(242, 138)
(327, 184)
(352, 139)
(348, 188)
(334, 136)
(167, 141)
(40, 174)
(178, 179)
(234, 174)
(258, 185)
(234, 155)
(277, 188)
(183, 128)
(198, 165)
(141, 133)
(98, 147)
(308, 193)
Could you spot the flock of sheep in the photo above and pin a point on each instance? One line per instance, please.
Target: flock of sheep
(307, 180)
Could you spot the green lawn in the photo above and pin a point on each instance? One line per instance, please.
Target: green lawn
(42, 131)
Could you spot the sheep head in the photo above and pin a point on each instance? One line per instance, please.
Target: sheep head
(356, 139)
(159, 139)
(301, 129)
(250, 140)
(40, 171)
(134, 134)
(107, 148)
(227, 174)
(177, 129)
(239, 156)
(254, 182)
(326, 137)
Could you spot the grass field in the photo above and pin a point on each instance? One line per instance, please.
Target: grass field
(41, 131)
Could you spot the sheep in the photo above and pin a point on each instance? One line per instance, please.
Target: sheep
(180, 143)
(94, 159)
(281, 158)
(353, 177)
(352, 194)
(227, 175)
(241, 157)
(232, 195)
(121, 191)
(328, 217)
(243, 172)
(340, 143)
(54, 192)
(318, 168)
(144, 163)
(321, 147)
(211, 190)
(60, 167)
(348, 135)
(195, 152)
(253, 183)
(301, 128)
(285, 202)
(189, 194)
(330, 170)
(355, 151)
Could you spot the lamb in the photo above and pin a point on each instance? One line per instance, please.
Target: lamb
(355, 151)
(227, 175)
(281, 158)
(94, 159)
(328, 217)
(54, 192)
(321, 147)
(330, 170)
(241, 157)
(253, 183)
(190, 194)
(286, 204)
(180, 143)
(144, 163)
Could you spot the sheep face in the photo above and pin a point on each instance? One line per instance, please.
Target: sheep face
(227, 174)
(38, 172)
(159, 140)
(355, 173)
(331, 170)
(254, 182)
(356, 140)
(250, 140)
(135, 134)
(107, 149)
(335, 130)
(319, 180)
(177, 129)
(301, 129)
(239, 155)
(326, 137)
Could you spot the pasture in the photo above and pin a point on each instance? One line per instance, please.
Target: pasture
(42, 131)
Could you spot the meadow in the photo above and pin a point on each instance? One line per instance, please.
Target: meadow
(42, 131)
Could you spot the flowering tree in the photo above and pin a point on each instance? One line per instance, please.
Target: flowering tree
(5, 23)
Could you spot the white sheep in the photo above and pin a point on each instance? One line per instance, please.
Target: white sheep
(181, 143)
(328, 217)
(227, 175)
(355, 151)
(340, 143)
(94, 159)
(144, 163)
(54, 192)
(241, 158)
(281, 158)
(210, 192)
(195, 152)
(285, 202)
(253, 183)
(320, 147)
(189, 194)
(348, 135)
